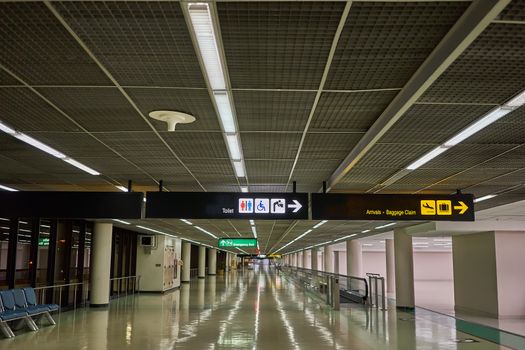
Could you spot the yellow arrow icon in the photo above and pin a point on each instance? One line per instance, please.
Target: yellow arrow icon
(462, 207)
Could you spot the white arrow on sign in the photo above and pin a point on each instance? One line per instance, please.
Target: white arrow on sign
(296, 206)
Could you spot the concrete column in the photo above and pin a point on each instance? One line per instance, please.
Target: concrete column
(202, 262)
(314, 258)
(336, 261)
(212, 262)
(227, 263)
(300, 259)
(186, 262)
(328, 259)
(100, 264)
(305, 259)
(390, 266)
(404, 270)
(354, 258)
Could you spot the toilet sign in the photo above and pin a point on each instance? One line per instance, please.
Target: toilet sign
(227, 205)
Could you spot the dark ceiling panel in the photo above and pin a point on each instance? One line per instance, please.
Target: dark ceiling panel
(204, 145)
(6, 79)
(314, 171)
(97, 109)
(397, 156)
(515, 11)
(350, 111)
(384, 43)
(38, 48)
(141, 43)
(270, 145)
(136, 145)
(433, 123)
(328, 145)
(268, 168)
(25, 111)
(278, 44)
(489, 71)
(273, 110)
(196, 102)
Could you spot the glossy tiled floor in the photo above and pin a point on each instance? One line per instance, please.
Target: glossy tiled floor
(257, 310)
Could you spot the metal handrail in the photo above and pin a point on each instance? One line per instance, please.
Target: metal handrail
(60, 287)
(135, 285)
(362, 279)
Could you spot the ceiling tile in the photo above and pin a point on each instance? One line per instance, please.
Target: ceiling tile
(38, 48)
(282, 45)
(273, 110)
(144, 43)
(384, 43)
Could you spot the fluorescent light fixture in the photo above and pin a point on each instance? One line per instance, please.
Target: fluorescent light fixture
(81, 166)
(252, 222)
(222, 100)
(153, 230)
(43, 147)
(385, 225)
(484, 198)
(233, 146)
(482, 123)
(7, 129)
(345, 237)
(320, 223)
(244, 189)
(122, 188)
(516, 101)
(254, 231)
(427, 157)
(186, 221)
(203, 27)
(239, 168)
(365, 231)
(144, 199)
(10, 189)
(205, 231)
(122, 221)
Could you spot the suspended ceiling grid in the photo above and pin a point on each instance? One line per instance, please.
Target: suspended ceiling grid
(276, 54)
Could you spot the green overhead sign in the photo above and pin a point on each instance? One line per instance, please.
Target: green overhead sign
(237, 243)
(43, 241)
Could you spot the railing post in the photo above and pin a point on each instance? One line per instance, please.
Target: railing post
(377, 294)
(383, 292)
(335, 293)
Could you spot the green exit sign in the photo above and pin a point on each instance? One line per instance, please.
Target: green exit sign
(237, 242)
(43, 241)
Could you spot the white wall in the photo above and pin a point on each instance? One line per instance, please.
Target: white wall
(151, 267)
(428, 265)
(475, 280)
(510, 265)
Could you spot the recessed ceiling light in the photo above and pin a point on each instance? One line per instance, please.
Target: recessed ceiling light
(172, 118)
(2, 187)
(484, 198)
(122, 188)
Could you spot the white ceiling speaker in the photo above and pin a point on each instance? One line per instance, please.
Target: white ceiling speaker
(172, 118)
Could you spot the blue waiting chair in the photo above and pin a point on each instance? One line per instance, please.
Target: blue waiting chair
(11, 313)
(31, 299)
(34, 309)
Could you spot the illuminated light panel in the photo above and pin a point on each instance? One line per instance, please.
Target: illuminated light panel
(10, 189)
(484, 198)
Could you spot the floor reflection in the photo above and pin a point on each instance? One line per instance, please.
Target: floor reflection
(258, 309)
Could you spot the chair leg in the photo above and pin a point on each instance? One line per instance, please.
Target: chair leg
(31, 324)
(8, 333)
(49, 318)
